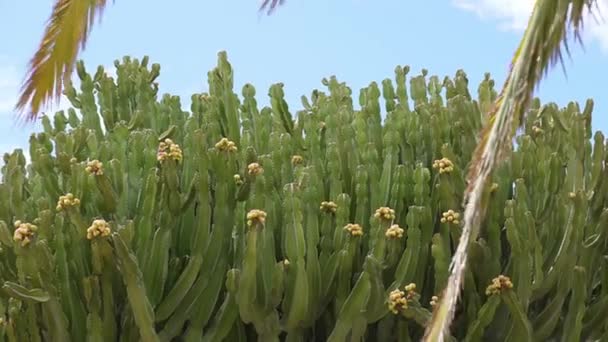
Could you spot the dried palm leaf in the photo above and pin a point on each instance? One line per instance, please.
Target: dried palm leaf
(540, 48)
(65, 35)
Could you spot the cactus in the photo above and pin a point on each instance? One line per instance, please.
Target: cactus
(138, 220)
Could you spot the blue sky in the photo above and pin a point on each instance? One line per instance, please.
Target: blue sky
(359, 41)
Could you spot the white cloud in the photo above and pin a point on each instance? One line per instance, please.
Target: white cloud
(513, 15)
(598, 24)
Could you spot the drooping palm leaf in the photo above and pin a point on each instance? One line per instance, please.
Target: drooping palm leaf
(65, 35)
(540, 48)
(271, 5)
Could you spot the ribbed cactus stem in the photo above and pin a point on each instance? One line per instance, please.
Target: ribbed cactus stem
(235, 221)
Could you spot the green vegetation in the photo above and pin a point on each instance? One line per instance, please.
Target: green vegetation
(138, 221)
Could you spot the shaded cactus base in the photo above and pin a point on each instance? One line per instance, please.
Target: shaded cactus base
(138, 221)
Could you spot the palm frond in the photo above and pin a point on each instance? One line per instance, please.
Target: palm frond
(271, 5)
(65, 35)
(540, 48)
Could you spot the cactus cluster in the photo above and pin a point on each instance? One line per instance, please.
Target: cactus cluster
(139, 221)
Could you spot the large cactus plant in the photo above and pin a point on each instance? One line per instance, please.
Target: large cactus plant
(139, 221)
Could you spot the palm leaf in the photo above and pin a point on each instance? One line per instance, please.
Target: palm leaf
(540, 48)
(271, 5)
(65, 35)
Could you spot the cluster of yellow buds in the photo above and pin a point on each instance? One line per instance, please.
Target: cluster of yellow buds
(328, 207)
(98, 228)
(169, 150)
(385, 213)
(434, 301)
(24, 232)
(297, 159)
(237, 179)
(67, 201)
(394, 232)
(255, 169)
(498, 285)
(354, 229)
(444, 165)
(450, 216)
(256, 216)
(95, 167)
(494, 187)
(226, 145)
(397, 299)
(537, 130)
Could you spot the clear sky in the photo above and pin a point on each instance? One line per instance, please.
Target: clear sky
(359, 41)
